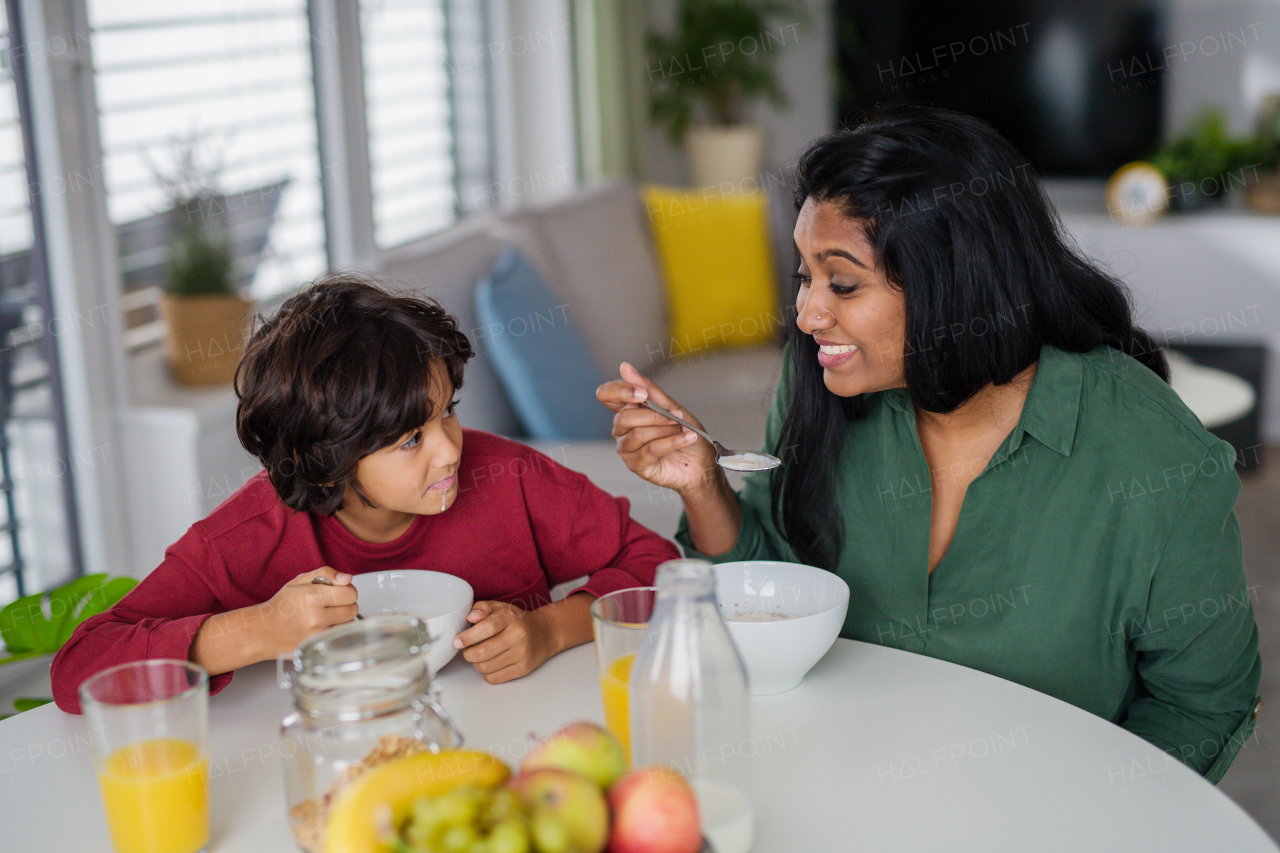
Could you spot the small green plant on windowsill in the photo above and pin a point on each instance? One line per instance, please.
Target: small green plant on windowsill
(1208, 161)
(40, 624)
(200, 260)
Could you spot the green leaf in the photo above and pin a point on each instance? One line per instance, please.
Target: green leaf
(26, 703)
(24, 627)
(40, 624)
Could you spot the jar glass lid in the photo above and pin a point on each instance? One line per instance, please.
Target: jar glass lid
(362, 667)
(363, 644)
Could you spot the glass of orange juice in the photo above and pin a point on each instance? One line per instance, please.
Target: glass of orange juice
(149, 721)
(619, 620)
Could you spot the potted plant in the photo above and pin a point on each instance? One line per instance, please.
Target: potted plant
(34, 627)
(707, 73)
(1201, 165)
(206, 317)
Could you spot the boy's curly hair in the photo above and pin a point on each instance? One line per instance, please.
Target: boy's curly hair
(343, 369)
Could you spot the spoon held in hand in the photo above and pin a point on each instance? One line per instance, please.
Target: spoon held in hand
(732, 460)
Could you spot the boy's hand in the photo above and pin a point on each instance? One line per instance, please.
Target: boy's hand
(228, 641)
(302, 608)
(506, 641)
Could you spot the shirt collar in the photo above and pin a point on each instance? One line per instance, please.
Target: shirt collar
(1052, 408)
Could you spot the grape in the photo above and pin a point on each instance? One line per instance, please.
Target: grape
(549, 834)
(461, 806)
(459, 839)
(473, 820)
(509, 837)
(426, 824)
(503, 805)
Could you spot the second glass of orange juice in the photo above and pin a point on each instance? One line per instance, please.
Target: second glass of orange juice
(619, 620)
(150, 726)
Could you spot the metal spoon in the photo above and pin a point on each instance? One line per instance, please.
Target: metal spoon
(326, 582)
(732, 460)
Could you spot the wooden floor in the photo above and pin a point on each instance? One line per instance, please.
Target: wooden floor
(1254, 779)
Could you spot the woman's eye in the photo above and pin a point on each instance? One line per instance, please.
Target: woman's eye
(412, 442)
(448, 412)
(842, 289)
(804, 280)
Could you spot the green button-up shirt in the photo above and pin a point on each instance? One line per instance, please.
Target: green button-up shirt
(1096, 558)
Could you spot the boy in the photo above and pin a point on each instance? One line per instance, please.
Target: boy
(346, 396)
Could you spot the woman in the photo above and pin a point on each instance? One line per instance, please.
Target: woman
(976, 438)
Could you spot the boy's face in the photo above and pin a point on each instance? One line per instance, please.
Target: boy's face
(418, 474)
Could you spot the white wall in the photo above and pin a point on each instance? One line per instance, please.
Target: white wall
(1224, 53)
(535, 116)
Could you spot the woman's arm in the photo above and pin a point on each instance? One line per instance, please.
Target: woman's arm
(668, 454)
(721, 524)
(713, 515)
(1201, 674)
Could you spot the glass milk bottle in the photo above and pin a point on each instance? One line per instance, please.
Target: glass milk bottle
(689, 706)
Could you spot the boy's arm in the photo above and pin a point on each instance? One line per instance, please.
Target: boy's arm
(228, 641)
(159, 618)
(602, 540)
(176, 613)
(580, 530)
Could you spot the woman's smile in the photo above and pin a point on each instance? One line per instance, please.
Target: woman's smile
(832, 355)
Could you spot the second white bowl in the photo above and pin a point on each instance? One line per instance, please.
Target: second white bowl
(783, 618)
(443, 600)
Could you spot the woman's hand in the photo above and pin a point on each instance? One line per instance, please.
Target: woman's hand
(654, 447)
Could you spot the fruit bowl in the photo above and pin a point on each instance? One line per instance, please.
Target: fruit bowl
(443, 600)
(783, 618)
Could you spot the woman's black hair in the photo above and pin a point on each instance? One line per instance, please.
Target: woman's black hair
(341, 370)
(960, 223)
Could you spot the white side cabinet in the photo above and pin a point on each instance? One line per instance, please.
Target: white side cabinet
(182, 455)
(1209, 277)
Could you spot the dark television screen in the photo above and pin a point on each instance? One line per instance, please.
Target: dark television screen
(1076, 85)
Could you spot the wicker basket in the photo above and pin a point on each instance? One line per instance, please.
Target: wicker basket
(205, 336)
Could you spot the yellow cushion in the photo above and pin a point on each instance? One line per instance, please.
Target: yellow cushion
(714, 251)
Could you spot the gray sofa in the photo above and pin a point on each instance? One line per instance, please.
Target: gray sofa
(595, 251)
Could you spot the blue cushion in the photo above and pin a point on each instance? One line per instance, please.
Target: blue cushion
(538, 354)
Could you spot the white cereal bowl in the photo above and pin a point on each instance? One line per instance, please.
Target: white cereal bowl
(441, 599)
(793, 615)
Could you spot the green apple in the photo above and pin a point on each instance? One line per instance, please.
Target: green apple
(569, 812)
(583, 748)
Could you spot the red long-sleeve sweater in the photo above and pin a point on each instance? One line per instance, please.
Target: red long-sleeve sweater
(521, 524)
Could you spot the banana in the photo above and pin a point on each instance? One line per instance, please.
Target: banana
(366, 813)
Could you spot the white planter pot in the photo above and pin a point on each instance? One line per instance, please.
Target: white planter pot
(727, 157)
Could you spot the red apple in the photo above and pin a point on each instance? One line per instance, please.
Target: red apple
(569, 801)
(654, 811)
(583, 748)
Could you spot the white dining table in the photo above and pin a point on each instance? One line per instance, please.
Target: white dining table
(877, 749)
